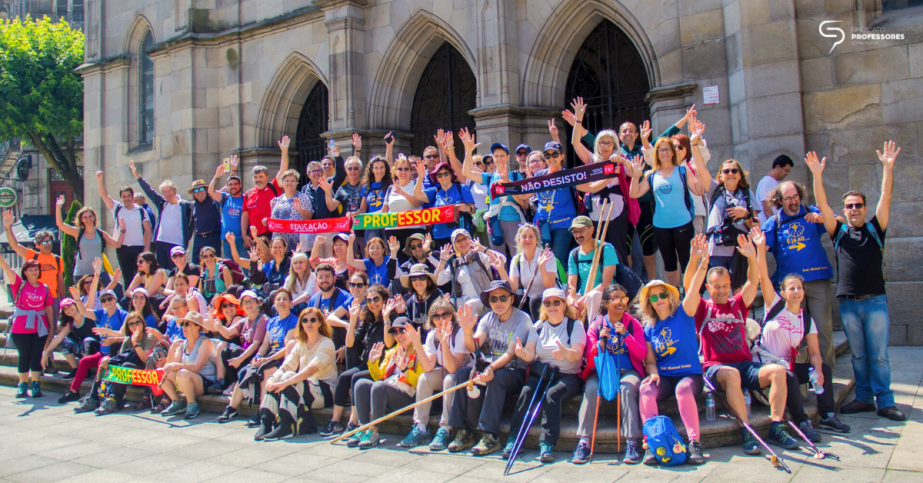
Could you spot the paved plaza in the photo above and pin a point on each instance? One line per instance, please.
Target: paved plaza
(41, 440)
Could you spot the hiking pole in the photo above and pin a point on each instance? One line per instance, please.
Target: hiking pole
(599, 392)
(520, 433)
(818, 454)
(528, 426)
(597, 238)
(468, 384)
(775, 459)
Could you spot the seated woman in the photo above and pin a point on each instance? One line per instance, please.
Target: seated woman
(344, 271)
(300, 282)
(215, 276)
(531, 268)
(252, 335)
(271, 275)
(189, 369)
(225, 323)
(258, 254)
(561, 343)
(444, 352)
(394, 374)
(304, 381)
(135, 350)
(141, 304)
(784, 328)
(623, 337)
(150, 277)
(183, 289)
(375, 263)
(69, 341)
(423, 292)
(87, 280)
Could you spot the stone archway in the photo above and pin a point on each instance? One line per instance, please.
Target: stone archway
(284, 99)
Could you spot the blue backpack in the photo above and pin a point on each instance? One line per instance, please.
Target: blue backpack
(664, 441)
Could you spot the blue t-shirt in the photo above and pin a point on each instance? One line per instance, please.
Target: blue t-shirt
(341, 298)
(556, 206)
(579, 263)
(231, 208)
(378, 274)
(276, 329)
(669, 198)
(374, 197)
(675, 345)
(797, 247)
(437, 197)
(507, 213)
(115, 322)
(621, 349)
(174, 332)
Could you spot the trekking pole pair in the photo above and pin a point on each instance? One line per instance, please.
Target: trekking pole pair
(548, 374)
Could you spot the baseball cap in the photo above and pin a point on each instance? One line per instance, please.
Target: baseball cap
(458, 232)
(523, 146)
(581, 222)
(179, 250)
(496, 146)
(553, 146)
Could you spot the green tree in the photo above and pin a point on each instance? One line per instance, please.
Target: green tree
(41, 94)
(69, 245)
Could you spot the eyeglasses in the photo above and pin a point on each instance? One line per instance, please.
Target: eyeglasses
(134, 324)
(661, 296)
(479, 164)
(311, 320)
(178, 255)
(418, 278)
(791, 199)
(357, 285)
(107, 299)
(250, 303)
(431, 156)
(443, 174)
(730, 171)
(87, 282)
(442, 316)
(373, 300)
(225, 306)
(198, 190)
(396, 330)
(316, 171)
(208, 255)
(499, 298)
(554, 155)
(522, 153)
(402, 169)
(855, 206)
(352, 168)
(606, 144)
(552, 303)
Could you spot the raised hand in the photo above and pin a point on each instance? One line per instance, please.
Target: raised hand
(254, 255)
(234, 160)
(476, 245)
(413, 334)
(253, 232)
(324, 184)
(99, 175)
(449, 142)
(690, 113)
(398, 358)
(447, 252)
(468, 140)
(816, 167)
(552, 128)
(439, 137)
(637, 166)
(283, 144)
(579, 108)
(545, 257)
(387, 309)
(427, 242)
(134, 170)
(757, 237)
(891, 151)
(357, 142)
(519, 349)
(698, 247)
(220, 171)
(298, 248)
(117, 274)
(320, 240)
(8, 218)
(569, 117)
(696, 130)
(420, 166)
(745, 246)
(354, 309)
(60, 201)
(230, 238)
(394, 245)
(400, 304)
(466, 318)
(646, 130)
(390, 136)
(75, 294)
(352, 239)
(376, 351)
(97, 265)
(496, 260)
(812, 217)
(297, 203)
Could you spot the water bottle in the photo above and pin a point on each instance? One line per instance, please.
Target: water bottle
(817, 388)
(747, 402)
(710, 406)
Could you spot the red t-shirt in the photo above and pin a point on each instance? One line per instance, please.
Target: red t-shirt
(32, 298)
(723, 331)
(257, 205)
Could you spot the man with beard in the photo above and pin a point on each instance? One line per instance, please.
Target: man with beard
(579, 264)
(722, 326)
(334, 303)
(232, 204)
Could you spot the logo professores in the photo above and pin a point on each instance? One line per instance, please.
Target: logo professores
(860, 35)
(832, 33)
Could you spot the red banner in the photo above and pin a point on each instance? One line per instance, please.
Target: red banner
(367, 221)
(328, 225)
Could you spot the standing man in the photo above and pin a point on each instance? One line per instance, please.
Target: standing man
(257, 201)
(137, 228)
(579, 263)
(174, 229)
(781, 167)
(232, 206)
(349, 195)
(522, 157)
(859, 247)
(206, 214)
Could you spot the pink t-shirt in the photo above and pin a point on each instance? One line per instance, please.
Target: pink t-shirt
(32, 298)
(723, 331)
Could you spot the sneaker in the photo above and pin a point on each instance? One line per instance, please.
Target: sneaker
(108, 406)
(488, 444)
(51, 370)
(69, 396)
(891, 413)
(70, 375)
(355, 439)
(857, 406)
(441, 440)
(696, 454)
(545, 452)
(780, 437)
(254, 421)
(808, 429)
(175, 407)
(581, 453)
(415, 438)
(333, 427)
(832, 423)
(22, 389)
(751, 445)
(631, 453)
(463, 440)
(229, 414)
(649, 458)
(192, 411)
(370, 440)
(88, 404)
(37, 389)
(282, 431)
(508, 449)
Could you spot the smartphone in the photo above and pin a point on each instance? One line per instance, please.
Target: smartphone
(389, 139)
(227, 164)
(332, 144)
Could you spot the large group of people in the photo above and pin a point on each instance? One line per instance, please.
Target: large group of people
(517, 291)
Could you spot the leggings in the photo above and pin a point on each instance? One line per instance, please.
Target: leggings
(674, 245)
(686, 389)
(373, 398)
(645, 229)
(30, 348)
(618, 235)
(83, 368)
(800, 376)
(345, 383)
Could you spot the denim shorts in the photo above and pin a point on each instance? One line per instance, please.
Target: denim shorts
(749, 374)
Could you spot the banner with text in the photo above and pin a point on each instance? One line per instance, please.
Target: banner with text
(560, 179)
(136, 377)
(429, 216)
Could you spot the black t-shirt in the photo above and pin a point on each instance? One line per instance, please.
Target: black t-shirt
(191, 270)
(350, 197)
(77, 334)
(859, 258)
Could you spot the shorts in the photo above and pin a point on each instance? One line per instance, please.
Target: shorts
(749, 374)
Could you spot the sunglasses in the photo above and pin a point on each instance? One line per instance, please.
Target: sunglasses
(88, 282)
(396, 330)
(198, 190)
(352, 168)
(311, 320)
(46, 242)
(661, 296)
(139, 262)
(402, 169)
(499, 298)
(443, 174)
(209, 255)
(730, 171)
(416, 246)
(185, 324)
(855, 206)
(431, 156)
(522, 153)
(225, 306)
(552, 303)
(373, 300)
(178, 255)
(418, 278)
(442, 316)
(554, 155)
(107, 299)
(357, 285)
(490, 163)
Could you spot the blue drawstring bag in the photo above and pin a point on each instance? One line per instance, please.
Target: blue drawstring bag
(606, 370)
(664, 441)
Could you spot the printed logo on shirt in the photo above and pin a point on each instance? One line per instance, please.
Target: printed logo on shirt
(34, 298)
(794, 236)
(663, 343)
(375, 200)
(727, 336)
(376, 279)
(666, 188)
(546, 201)
(500, 341)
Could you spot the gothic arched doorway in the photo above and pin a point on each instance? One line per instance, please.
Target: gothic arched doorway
(312, 122)
(446, 92)
(611, 77)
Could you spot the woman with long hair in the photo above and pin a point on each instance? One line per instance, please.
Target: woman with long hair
(135, 349)
(91, 241)
(338, 261)
(190, 369)
(731, 212)
(69, 341)
(302, 383)
(532, 268)
(376, 181)
(555, 208)
(291, 204)
(149, 276)
(447, 191)
(620, 335)
(32, 321)
(141, 304)
(271, 275)
(252, 334)
(215, 276)
(397, 197)
(423, 292)
(300, 282)
(376, 262)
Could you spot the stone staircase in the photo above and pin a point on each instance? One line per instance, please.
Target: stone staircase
(722, 431)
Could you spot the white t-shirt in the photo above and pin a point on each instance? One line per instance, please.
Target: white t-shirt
(548, 337)
(479, 193)
(525, 270)
(767, 184)
(457, 347)
(171, 224)
(134, 218)
(397, 203)
(783, 334)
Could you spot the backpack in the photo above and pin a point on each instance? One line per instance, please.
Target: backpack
(571, 323)
(141, 212)
(560, 278)
(773, 313)
(664, 441)
(237, 275)
(844, 229)
(57, 260)
(626, 277)
(99, 233)
(687, 194)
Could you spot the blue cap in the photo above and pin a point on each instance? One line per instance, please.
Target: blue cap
(523, 146)
(553, 146)
(496, 146)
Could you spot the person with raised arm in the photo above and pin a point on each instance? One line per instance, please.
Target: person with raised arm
(257, 200)
(732, 211)
(293, 205)
(347, 199)
(375, 263)
(231, 202)
(181, 265)
(376, 180)
(467, 265)
(859, 246)
(445, 191)
(175, 226)
(138, 231)
(343, 270)
(398, 197)
(555, 209)
(333, 170)
(91, 241)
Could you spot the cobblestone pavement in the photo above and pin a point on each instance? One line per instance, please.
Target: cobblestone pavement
(41, 440)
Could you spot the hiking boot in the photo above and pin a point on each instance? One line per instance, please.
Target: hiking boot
(857, 406)
(441, 440)
(70, 375)
(696, 454)
(891, 412)
(218, 387)
(780, 437)
(832, 423)
(86, 405)
(69, 396)
(631, 453)
(333, 427)
(508, 449)
(266, 420)
(229, 414)
(545, 452)
(415, 438)
(175, 407)
(109, 406)
(370, 439)
(254, 421)
(22, 390)
(283, 430)
(808, 429)
(581, 453)
(649, 458)
(750, 444)
(192, 411)
(488, 444)
(37, 389)
(463, 440)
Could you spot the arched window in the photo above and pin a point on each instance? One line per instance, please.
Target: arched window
(312, 122)
(146, 97)
(446, 92)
